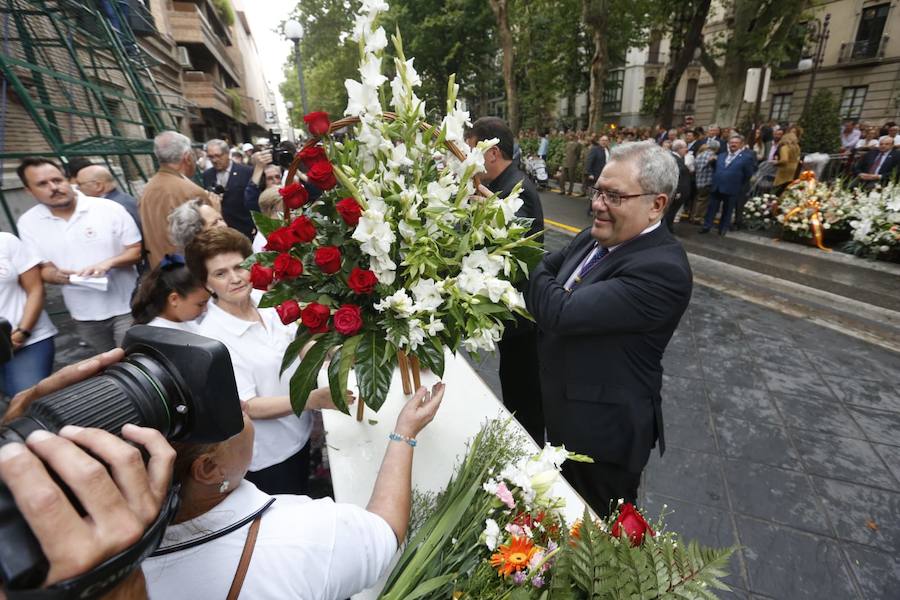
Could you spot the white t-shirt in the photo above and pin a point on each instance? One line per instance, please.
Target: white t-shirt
(309, 549)
(98, 230)
(15, 260)
(189, 326)
(256, 352)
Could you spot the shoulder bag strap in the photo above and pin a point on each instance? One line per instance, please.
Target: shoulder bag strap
(244, 563)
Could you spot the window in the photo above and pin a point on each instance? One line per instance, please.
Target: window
(852, 100)
(653, 55)
(690, 94)
(871, 27)
(612, 91)
(781, 107)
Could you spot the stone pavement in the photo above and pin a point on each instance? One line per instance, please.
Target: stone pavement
(783, 437)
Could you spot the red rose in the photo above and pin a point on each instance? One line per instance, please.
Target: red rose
(287, 267)
(321, 174)
(294, 196)
(288, 311)
(261, 277)
(632, 523)
(348, 320)
(328, 259)
(312, 155)
(350, 211)
(315, 317)
(317, 123)
(304, 229)
(362, 281)
(281, 240)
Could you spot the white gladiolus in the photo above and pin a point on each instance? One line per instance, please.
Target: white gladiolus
(373, 7)
(398, 159)
(399, 302)
(377, 41)
(361, 99)
(471, 281)
(428, 295)
(370, 71)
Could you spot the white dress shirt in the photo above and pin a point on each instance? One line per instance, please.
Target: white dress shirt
(189, 326)
(256, 351)
(570, 282)
(306, 549)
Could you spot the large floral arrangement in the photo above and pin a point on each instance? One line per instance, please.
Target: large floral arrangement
(498, 532)
(875, 221)
(398, 254)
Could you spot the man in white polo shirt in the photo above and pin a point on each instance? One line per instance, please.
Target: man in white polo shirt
(82, 242)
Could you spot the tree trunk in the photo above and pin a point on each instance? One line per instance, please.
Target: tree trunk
(596, 18)
(509, 74)
(692, 38)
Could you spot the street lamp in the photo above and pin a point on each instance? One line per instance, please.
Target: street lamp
(818, 30)
(293, 30)
(290, 107)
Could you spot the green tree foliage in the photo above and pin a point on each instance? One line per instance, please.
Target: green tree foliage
(821, 124)
(225, 11)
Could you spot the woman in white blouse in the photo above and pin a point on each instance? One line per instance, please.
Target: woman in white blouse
(300, 548)
(256, 340)
(170, 296)
(22, 304)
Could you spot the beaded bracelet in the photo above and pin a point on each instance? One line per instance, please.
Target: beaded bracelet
(396, 437)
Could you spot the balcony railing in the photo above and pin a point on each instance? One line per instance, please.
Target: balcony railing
(202, 90)
(190, 26)
(863, 50)
(685, 107)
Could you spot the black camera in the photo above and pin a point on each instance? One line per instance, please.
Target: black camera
(216, 189)
(281, 157)
(176, 382)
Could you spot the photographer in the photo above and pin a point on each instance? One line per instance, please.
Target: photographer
(265, 175)
(120, 503)
(229, 179)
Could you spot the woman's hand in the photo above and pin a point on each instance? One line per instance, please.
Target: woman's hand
(420, 410)
(321, 399)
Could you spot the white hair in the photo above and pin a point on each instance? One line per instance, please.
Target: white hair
(185, 222)
(657, 172)
(222, 144)
(679, 144)
(886, 137)
(170, 147)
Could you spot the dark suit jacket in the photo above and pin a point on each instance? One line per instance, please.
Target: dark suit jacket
(596, 160)
(694, 147)
(233, 209)
(601, 345)
(732, 180)
(684, 177)
(888, 168)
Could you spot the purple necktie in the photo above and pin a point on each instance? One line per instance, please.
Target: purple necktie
(591, 263)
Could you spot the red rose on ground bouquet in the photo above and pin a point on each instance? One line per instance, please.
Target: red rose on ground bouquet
(287, 267)
(328, 259)
(362, 281)
(261, 277)
(312, 155)
(632, 523)
(348, 320)
(304, 229)
(294, 196)
(288, 311)
(281, 240)
(315, 317)
(321, 174)
(350, 211)
(317, 123)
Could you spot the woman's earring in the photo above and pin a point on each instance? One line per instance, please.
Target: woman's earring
(224, 486)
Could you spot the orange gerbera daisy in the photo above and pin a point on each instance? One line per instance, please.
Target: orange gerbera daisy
(513, 556)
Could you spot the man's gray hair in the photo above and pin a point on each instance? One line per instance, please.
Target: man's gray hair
(185, 222)
(222, 144)
(886, 137)
(679, 144)
(657, 172)
(713, 145)
(736, 135)
(170, 147)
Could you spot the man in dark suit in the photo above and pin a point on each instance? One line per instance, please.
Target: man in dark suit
(879, 165)
(518, 347)
(683, 190)
(229, 179)
(596, 160)
(714, 133)
(729, 183)
(606, 307)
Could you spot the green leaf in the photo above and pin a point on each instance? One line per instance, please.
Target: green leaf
(304, 379)
(281, 292)
(339, 370)
(293, 349)
(266, 259)
(266, 225)
(486, 308)
(374, 368)
(431, 354)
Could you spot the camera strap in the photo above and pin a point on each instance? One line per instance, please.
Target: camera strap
(107, 575)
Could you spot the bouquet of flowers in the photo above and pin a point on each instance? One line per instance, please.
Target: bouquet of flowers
(760, 212)
(808, 207)
(398, 255)
(875, 221)
(498, 532)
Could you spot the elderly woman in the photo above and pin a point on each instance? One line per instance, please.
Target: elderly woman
(271, 205)
(190, 218)
(301, 548)
(256, 339)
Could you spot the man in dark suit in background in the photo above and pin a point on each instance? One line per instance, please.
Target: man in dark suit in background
(596, 160)
(683, 190)
(606, 307)
(518, 347)
(879, 165)
(229, 179)
(729, 184)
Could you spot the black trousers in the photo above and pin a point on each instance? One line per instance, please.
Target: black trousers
(602, 484)
(520, 381)
(290, 476)
(672, 211)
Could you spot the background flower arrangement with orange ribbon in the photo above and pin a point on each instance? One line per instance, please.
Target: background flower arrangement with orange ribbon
(397, 255)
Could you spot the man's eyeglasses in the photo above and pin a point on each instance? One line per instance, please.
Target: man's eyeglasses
(615, 199)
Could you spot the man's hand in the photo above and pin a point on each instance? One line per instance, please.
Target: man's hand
(215, 200)
(98, 270)
(419, 410)
(262, 158)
